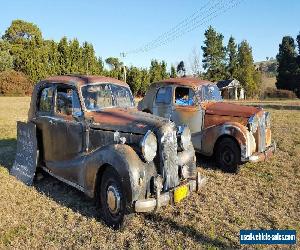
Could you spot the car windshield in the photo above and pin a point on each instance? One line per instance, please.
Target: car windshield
(105, 95)
(211, 93)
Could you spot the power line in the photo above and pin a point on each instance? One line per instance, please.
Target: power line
(208, 11)
(196, 25)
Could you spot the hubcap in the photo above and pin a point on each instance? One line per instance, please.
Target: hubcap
(113, 199)
(228, 156)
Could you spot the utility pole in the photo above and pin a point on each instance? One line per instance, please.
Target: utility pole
(123, 54)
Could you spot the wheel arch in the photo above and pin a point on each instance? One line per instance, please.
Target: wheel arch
(212, 135)
(124, 160)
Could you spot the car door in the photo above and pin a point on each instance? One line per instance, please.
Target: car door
(162, 103)
(187, 111)
(67, 137)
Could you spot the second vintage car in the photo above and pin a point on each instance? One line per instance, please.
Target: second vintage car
(91, 137)
(232, 133)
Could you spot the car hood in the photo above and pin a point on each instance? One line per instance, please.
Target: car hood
(230, 109)
(127, 120)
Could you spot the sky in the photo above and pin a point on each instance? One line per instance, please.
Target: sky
(121, 26)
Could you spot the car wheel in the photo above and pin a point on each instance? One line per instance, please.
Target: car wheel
(228, 155)
(112, 199)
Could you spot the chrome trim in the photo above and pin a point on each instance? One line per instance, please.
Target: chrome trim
(72, 184)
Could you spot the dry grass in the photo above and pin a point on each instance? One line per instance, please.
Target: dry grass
(52, 215)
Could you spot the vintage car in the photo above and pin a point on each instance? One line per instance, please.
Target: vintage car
(90, 136)
(230, 132)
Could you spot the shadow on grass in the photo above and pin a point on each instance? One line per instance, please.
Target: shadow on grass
(205, 162)
(66, 196)
(7, 152)
(189, 231)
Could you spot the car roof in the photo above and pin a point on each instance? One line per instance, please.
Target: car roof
(80, 80)
(184, 81)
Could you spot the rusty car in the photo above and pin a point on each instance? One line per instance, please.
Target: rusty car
(232, 133)
(91, 136)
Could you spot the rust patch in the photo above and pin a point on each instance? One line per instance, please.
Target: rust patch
(211, 120)
(82, 80)
(229, 109)
(268, 137)
(186, 81)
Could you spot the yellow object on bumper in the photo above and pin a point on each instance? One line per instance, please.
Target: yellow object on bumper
(180, 193)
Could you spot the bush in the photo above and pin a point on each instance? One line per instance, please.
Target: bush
(13, 83)
(278, 93)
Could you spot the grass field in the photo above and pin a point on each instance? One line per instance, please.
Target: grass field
(52, 215)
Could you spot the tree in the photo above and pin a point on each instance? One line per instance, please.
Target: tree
(14, 83)
(195, 63)
(232, 67)
(115, 67)
(64, 56)
(6, 59)
(287, 65)
(158, 71)
(181, 68)
(75, 54)
(21, 31)
(173, 72)
(134, 79)
(214, 55)
(248, 76)
(145, 82)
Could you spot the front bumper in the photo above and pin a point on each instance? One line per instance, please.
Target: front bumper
(263, 156)
(163, 199)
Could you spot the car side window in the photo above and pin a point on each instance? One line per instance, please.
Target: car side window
(184, 96)
(67, 102)
(45, 101)
(164, 95)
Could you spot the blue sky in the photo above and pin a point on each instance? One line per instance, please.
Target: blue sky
(116, 26)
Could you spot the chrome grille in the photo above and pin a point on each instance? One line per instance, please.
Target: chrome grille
(168, 157)
(262, 134)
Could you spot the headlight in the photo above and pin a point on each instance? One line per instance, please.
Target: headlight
(268, 119)
(253, 123)
(149, 146)
(184, 134)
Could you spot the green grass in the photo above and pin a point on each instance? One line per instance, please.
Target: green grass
(52, 215)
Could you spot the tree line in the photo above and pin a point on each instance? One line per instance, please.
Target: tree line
(25, 56)
(288, 58)
(234, 61)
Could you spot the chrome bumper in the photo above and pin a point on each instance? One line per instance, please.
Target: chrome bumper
(263, 156)
(163, 199)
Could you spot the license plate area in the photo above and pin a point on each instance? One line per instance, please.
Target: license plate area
(180, 193)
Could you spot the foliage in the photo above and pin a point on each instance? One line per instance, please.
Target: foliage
(181, 69)
(247, 75)
(14, 83)
(278, 93)
(288, 65)
(173, 73)
(214, 55)
(134, 79)
(158, 71)
(21, 31)
(232, 67)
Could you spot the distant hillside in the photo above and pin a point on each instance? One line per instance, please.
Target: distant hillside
(268, 67)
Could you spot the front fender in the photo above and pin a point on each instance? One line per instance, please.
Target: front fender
(125, 161)
(211, 134)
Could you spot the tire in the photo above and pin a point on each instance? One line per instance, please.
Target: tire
(228, 155)
(112, 199)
